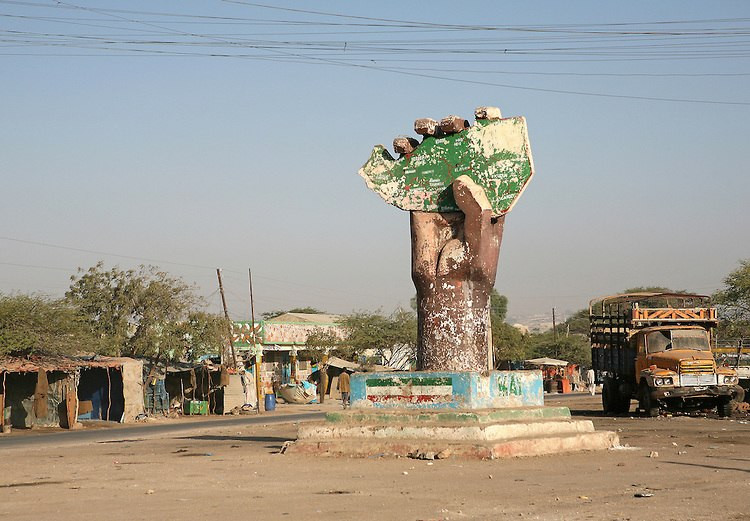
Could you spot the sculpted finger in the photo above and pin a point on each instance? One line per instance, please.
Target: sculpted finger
(453, 124)
(405, 145)
(489, 113)
(427, 127)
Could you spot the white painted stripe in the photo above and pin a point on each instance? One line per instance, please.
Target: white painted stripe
(429, 390)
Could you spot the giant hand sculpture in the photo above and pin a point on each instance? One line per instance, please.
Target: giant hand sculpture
(457, 184)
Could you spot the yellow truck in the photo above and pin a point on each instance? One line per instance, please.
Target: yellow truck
(656, 348)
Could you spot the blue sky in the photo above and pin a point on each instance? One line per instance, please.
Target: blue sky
(240, 161)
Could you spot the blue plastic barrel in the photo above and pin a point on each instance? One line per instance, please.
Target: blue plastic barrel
(270, 402)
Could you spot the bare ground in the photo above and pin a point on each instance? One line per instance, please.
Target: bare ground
(702, 472)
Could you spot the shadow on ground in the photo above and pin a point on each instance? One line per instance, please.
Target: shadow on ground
(277, 441)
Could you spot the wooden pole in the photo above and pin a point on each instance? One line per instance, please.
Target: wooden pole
(256, 345)
(226, 316)
(2, 407)
(293, 364)
(323, 376)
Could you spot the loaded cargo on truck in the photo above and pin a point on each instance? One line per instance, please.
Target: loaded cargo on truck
(656, 348)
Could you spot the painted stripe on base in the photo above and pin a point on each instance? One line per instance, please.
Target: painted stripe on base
(412, 398)
(408, 390)
(414, 381)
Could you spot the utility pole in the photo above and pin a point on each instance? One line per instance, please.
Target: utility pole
(554, 332)
(257, 347)
(226, 315)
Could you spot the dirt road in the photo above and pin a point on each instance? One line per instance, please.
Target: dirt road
(702, 472)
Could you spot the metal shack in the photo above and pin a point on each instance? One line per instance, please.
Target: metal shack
(52, 391)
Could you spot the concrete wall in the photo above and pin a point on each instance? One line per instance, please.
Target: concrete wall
(449, 390)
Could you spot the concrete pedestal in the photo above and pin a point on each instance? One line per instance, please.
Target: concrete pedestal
(434, 415)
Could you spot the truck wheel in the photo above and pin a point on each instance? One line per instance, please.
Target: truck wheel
(623, 403)
(647, 404)
(607, 395)
(725, 408)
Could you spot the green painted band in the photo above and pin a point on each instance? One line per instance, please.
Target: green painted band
(389, 382)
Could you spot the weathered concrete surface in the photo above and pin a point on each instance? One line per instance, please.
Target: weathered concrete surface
(447, 390)
(447, 431)
(433, 416)
(454, 264)
(436, 449)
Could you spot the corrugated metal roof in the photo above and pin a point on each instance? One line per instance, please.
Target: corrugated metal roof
(58, 363)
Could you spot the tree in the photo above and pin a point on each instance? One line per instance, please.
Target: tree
(572, 348)
(321, 340)
(268, 315)
(509, 343)
(393, 338)
(733, 302)
(203, 333)
(653, 289)
(144, 312)
(576, 324)
(31, 324)
(498, 305)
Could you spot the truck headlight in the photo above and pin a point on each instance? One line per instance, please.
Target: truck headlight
(663, 380)
(730, 379)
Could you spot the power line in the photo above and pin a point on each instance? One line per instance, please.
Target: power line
(176, 263)
(109, 254)
(34, 266)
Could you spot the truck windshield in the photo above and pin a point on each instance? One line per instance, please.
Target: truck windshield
(691, 339)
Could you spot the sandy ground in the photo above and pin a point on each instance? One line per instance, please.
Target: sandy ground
(702, 472)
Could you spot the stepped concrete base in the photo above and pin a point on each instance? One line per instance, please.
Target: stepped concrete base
(437, 434)
(469, 450)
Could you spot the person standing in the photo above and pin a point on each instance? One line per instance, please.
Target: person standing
(345, 388)
(591, 380)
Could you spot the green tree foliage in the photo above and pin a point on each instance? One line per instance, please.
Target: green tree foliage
(653, 289)
(498, 305)
(733, 302)
(576, 324)
(393, 337)
(321, 340)
(37, 325)
(203, 333)
(268, 315)
(572, 348)
(508, 343)
(144, 312)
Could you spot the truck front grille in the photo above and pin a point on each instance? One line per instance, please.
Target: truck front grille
(697, 367)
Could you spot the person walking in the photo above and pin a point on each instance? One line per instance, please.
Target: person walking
(591, 380)
(345, 388)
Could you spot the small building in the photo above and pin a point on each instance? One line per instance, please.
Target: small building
(283, 340)
(50, 391)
